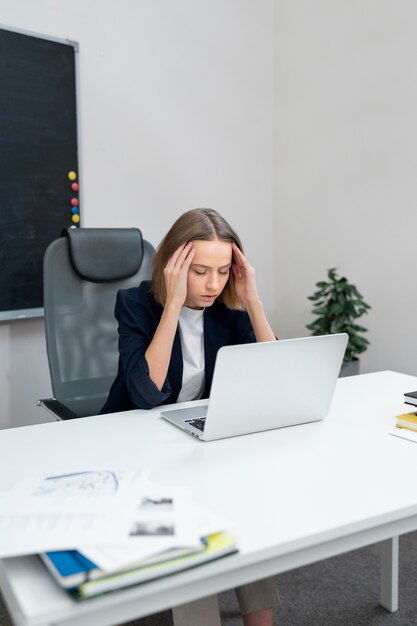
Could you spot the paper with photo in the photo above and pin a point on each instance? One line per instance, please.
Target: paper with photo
(161, 522)
(165, 518)
(63, 511)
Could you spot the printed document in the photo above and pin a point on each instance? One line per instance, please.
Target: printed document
(65, 511)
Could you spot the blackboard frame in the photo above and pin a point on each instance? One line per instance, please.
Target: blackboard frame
(55, 48)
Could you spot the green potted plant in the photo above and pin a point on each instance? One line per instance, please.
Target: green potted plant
(338, 305)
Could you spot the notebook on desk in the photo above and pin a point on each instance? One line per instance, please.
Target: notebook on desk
(74, 572)
(262, 386)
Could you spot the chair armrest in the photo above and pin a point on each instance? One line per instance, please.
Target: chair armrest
(58, 410)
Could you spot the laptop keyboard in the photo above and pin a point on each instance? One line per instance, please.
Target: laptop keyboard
(199, 423)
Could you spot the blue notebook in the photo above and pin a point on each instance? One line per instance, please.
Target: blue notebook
(70, 568)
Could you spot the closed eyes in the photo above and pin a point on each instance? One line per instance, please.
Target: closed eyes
(204, 272)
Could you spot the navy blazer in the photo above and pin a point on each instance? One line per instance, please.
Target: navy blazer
(138, 315)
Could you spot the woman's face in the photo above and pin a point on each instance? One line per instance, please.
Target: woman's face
(208, 272)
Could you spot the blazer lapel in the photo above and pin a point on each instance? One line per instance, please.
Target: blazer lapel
(216, 335)
(176, 368)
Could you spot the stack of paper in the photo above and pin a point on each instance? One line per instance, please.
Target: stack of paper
(102, 530)
(82, 576)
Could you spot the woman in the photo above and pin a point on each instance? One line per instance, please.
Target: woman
(202, 296)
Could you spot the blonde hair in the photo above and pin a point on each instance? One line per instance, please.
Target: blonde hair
(197, 224)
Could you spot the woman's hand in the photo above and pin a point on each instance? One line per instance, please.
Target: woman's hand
(158, 354)
(175, 274)
(245, 278)
(245, 286)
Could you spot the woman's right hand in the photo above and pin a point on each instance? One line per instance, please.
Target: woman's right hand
(158, 354)
(176, 272)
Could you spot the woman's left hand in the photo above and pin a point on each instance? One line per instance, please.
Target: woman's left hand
(245, 277)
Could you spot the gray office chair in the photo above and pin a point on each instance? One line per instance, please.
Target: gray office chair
(83, 271)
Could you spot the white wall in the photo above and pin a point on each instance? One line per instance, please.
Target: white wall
(346, 163)
(176, 111)
(296, 119)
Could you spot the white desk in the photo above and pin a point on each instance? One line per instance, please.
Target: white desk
(296, 495)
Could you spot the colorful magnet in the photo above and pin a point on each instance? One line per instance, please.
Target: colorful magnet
(74, 210)
(75, 186)
(74, 202)
(76, 218)
(72, 175)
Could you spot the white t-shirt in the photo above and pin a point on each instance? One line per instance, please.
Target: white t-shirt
(191, 326)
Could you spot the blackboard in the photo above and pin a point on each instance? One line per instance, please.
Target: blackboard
(38, 148)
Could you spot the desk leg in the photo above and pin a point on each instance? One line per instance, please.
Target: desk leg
(389, 574)
(204, 612)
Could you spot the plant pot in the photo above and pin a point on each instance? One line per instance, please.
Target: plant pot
(349, 368)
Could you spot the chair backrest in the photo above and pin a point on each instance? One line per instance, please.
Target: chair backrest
(83, 271)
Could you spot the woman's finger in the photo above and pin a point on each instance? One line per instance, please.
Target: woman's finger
(239, 256)
(245, 269)
(174, 258)
(183, 256)
(188, 260)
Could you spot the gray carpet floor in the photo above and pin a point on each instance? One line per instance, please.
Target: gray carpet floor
(342, 591)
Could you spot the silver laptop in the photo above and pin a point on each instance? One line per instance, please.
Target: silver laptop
(261, 386)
